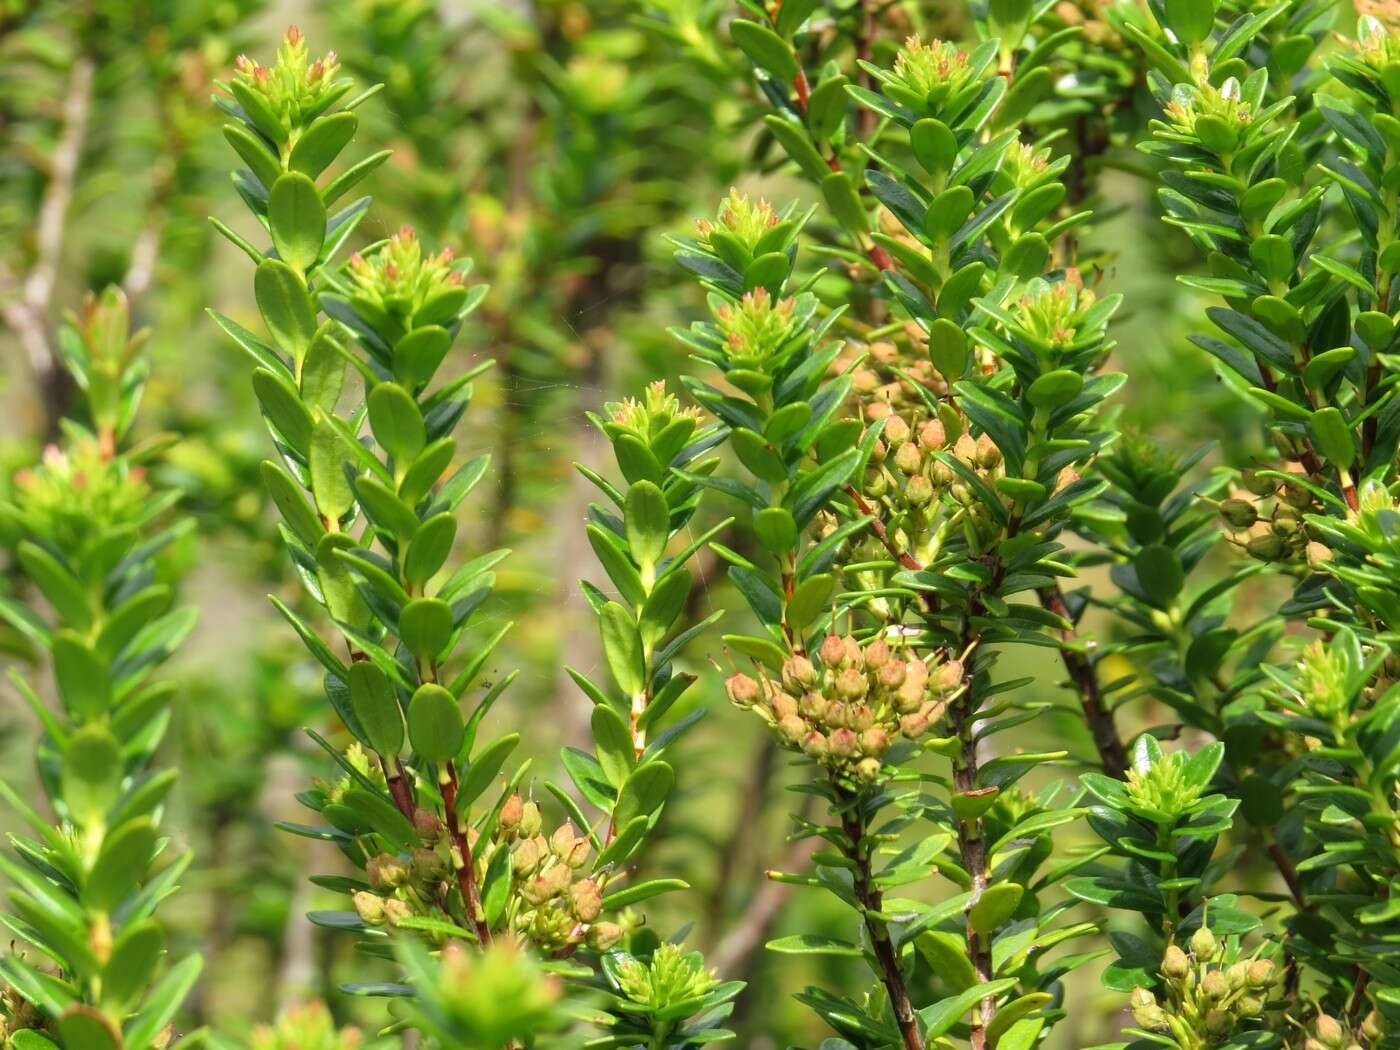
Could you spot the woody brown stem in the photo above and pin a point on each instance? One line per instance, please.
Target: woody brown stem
(870, 901)
(466, 874)
(1085, 679)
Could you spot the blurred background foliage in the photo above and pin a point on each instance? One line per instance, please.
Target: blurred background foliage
(557, 143)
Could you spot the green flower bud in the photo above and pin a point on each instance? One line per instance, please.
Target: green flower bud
(428, 865)
(868, 769)
(918, 491)
(1239, 513)
(1219, 1022)
(1204, 944)
(531, 820)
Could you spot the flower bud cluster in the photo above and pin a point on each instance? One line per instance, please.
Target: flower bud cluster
(1205, 996)
(1215, 116)
(744, 219)
(879, 388)
(1326, 1032)
(847, 711)
(934, 71)
(306, 1026)
(671, 976)
(409, 884)
(295, 88)
(1163, 791)
(756, 328)
(554, 904)
(399, 278)
(650, 415)
(1265, 517)
(76, 497)
(1054, 313)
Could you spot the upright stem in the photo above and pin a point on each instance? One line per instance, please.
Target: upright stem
(466, 875)
(972, 848)
(1085, 679)
(870, 901)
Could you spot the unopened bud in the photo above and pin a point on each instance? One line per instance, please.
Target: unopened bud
(892, 674)
(1265, 547)
(932, 435)
(1371, 1026)
(918, 491)
(913, 725)
(586, 900)
(1203, 944)
(851, 684)
(799, 674)
(1329, 1032)
(1215, 985)
(1261, 973)
(868, 769)
(1175, 965)
(877, 654)
(511, 813)
(428, 865)
(428, 825)
(843, 743)
(1219, 1022)
(792, 729)
(896, 431)
(1319, 554)
(1239, 513)
(833, 650)
(742, 690)
(603, 935)
(908, 459)
(874, 741)
(527, 855)
(386, 872)
(949, 676)
(988, 455)
(368, 907)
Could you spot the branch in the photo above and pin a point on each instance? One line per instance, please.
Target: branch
(25, 309)
(871, 903)
(1085, 679)
(63, 171)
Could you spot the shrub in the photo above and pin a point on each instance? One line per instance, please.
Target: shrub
(901, 437)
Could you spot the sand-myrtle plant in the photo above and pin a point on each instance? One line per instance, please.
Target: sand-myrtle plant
(930, 519)
(88, 964)
(452, 848)
(1274, 161)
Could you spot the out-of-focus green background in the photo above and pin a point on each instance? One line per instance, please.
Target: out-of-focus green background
(557, 143)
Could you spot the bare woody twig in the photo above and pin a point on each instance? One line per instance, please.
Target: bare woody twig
(26, 306)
